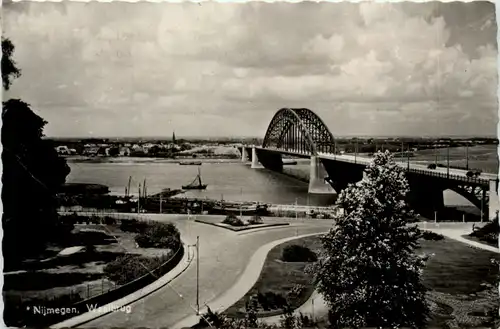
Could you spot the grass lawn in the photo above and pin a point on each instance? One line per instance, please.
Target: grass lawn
(68, 278)
(280, 277)
(461, 281)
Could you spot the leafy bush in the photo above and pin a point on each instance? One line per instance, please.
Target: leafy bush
(133, 225)
(488, 233)
(94, 219)
(428, 235)
(93, 237)
(271, 301)
(109, 220)
(129, 267)
(159, 235)
(470, 174)
(298, 253)
(233, 220)
(255, 220)
(432, 166)
(295, 293)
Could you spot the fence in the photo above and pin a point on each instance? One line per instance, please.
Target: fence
(302, 211)
(113, 292)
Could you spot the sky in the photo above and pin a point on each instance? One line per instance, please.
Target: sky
(219, 69)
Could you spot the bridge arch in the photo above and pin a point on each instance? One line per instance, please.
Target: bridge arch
(300, 130)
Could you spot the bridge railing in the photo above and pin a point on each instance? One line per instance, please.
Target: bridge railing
(427, 172)
(467, 179)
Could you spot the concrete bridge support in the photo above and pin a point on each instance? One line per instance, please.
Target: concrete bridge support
(244, 155)
(255, 160)
(494, 202)
(317, 175)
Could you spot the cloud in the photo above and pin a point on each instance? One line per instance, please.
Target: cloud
(394, 67)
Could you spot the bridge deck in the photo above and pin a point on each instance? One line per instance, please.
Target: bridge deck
(451, 173)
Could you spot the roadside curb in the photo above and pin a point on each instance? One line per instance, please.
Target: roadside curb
(245, 282)
(183, 265)
(244, 229)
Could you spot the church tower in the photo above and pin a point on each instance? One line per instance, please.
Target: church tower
(173, 137)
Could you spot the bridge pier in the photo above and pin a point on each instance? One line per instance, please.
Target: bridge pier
(244, 155)
(255, 160)
(317, 175)
(494, 202)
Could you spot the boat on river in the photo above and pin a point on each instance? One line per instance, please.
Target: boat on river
(190, 163)
(196, 184)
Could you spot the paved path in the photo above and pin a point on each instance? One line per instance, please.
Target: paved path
(224, 256)
(316, 307)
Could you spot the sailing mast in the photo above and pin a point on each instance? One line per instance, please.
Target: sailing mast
(199, 177)
(128, 186)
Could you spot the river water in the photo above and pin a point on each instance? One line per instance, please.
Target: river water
(237, 181)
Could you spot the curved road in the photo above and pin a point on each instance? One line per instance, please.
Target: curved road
(224, 255)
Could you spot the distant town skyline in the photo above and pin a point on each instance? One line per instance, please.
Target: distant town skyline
(222, 70)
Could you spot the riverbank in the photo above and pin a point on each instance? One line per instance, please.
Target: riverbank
(124, 160)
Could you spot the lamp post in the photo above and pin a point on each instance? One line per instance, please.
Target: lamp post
(241, 200)
(198, 275)
(312, 304)
(139, 199)
(435, 154)
(334, 149)
(467, 156)
(402, 152)
(296, 210)
(408, 158)
(482, 204)
(355, 151)
(448, 160)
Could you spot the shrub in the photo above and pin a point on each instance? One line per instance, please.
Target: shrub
(133, 225)
(255, 220)
(159, 235)
(233, 220)
(109, 220)
(432, 166)
(92, 236)
(294, 293)
(488, 233)
(94, 219)
(271, 301)
(477, 173)
(470, 174)
(127, 268)
(297, 253)
(427, 235)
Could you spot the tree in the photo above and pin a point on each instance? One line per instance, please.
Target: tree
(369, 273)
(9, 69)
(32, 174)
(114, 151)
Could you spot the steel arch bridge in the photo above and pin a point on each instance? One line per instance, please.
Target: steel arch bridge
(299, 130)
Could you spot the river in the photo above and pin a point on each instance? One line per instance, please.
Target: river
(232, 180)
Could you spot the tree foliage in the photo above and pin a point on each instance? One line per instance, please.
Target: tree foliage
(369, 273)
(9, 69)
